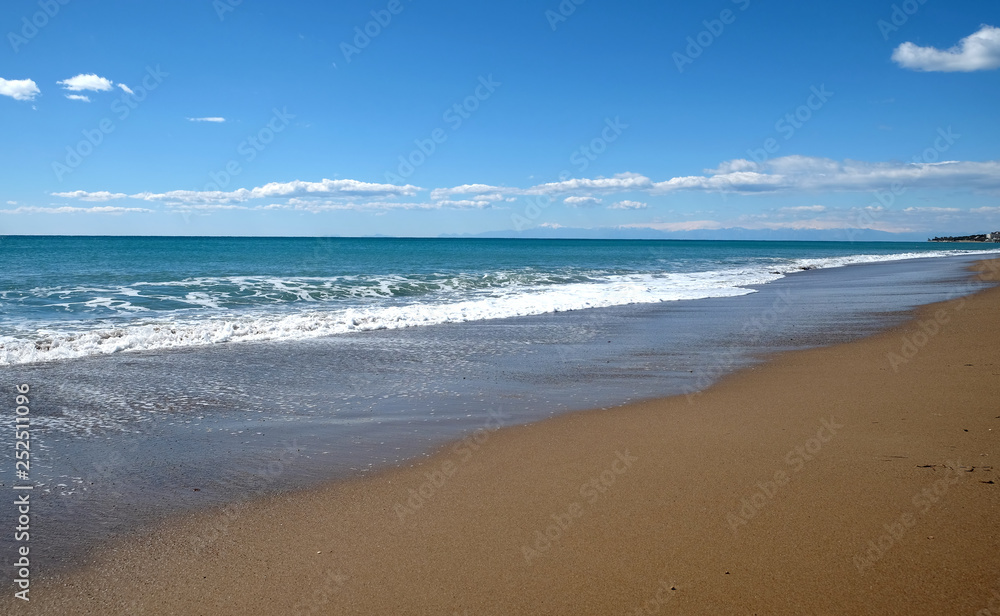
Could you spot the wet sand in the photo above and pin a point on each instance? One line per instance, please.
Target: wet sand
(853, 479)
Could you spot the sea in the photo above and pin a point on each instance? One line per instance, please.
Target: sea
(171, 374)
(71, 297)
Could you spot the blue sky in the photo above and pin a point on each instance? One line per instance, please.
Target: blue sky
(263, 118)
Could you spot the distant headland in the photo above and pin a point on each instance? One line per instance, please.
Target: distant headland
(987, 237)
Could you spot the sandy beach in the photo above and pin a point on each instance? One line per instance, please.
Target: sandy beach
(854, 479)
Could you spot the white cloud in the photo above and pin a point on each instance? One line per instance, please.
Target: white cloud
(760, 224)
(295, 189)
(979, 51)
(125, 88)
(629, 205)
(482, 191)
(88, 81)
(327, 206)
(214, 207)
(805, 208)
(479, 204)
(932, 210)
(78, 97)
(19, 89)
(315, 207)
(495, 197)
(215, 119)
(193, 197)
(789, 174)
(876, 218)
(803, 173)
(618, 183)
(783, 174)
(732, 166)
(104, 209)
(326, 187)
(582, 201)
(83, 195)
(739, 181)
(355, 206)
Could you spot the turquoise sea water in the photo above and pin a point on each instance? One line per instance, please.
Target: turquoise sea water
(68, 297)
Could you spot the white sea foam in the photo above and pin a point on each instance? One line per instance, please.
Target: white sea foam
(827, 262)
(66, 341)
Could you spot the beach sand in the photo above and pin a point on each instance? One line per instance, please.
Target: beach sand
(855, 479)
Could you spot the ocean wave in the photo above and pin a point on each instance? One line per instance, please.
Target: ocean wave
(501, 296)
(238, 292)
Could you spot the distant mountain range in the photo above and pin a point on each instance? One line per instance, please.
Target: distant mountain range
(734, 233)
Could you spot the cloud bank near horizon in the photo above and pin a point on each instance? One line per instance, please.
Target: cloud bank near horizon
(788, 174)
(632, 194)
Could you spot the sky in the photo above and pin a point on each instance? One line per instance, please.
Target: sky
(411, 118)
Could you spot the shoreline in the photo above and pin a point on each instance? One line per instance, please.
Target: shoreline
(570, 475)
(159, 331)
